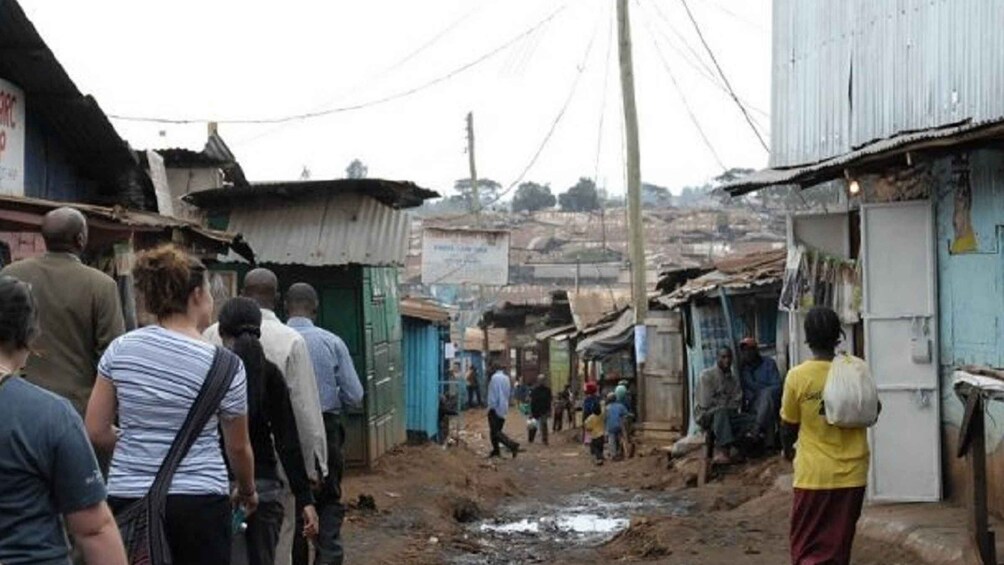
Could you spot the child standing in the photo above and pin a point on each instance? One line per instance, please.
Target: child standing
(614, 417)
(594, 426)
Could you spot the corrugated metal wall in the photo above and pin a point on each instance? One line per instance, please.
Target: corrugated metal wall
(382, 334)
(337, 229)
(421, 377)
(849, 72)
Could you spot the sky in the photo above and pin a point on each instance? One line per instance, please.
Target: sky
(540, 76)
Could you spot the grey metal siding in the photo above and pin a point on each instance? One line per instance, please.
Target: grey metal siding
(326, 230)
(849, 72)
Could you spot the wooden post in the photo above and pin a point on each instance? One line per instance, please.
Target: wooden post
(475, 199)
(976, 456)
(639, 290)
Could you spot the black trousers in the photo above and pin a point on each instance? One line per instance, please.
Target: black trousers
(328, 503)
(198, 527)
(258, 544)
(497, 436)
(473, 391)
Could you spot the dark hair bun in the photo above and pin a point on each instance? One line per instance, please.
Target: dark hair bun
(18, 315)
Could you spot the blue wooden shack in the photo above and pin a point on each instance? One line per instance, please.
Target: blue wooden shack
(425, 332)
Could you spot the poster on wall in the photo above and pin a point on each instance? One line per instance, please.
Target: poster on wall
(11, 139)
(463, 256)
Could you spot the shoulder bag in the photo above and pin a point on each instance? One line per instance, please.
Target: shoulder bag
(142, 522)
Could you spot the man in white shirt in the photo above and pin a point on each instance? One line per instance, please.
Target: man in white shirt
(499, 389)
(286, 348)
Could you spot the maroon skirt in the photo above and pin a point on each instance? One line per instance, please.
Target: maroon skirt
(823, 524)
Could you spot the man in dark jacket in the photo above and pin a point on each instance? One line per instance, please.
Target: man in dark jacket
(540, 408)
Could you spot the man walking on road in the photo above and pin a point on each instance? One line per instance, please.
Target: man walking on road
(339, 387)
(287, 349)
(540, 408)
(78, 308)
(499, 389)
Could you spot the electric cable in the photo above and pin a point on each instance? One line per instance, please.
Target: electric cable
(358, 106)
(683, 98)
(721, 73)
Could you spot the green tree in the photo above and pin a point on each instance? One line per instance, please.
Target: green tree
(488, 192)
(356, 170)
(655, 196)
(583, 197)
(531, 196)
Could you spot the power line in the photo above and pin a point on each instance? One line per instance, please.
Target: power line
(603, 103)
(361, 105)
(580, 69)
(683, 98)
(374, 78)
(735, 16)
(700, 66)
(725, 79)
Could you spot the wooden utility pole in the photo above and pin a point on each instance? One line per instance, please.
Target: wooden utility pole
(639, 290)
(475, 199)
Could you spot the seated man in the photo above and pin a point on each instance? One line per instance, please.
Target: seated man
(761, 383)
(717, 406)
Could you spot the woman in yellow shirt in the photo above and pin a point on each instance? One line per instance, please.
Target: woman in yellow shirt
(831, 463)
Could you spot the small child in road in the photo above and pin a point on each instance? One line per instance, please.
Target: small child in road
(594, 425)
(615, 413)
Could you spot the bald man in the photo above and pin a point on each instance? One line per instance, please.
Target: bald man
(79, 309)
(286, 348)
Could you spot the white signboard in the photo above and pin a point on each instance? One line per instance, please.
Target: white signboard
(11, 139)
(461, 256)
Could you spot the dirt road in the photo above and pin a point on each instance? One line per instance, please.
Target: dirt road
(426, 504)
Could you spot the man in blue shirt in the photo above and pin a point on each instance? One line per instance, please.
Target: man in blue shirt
(761, 383)
(499, 389)
(339, 387)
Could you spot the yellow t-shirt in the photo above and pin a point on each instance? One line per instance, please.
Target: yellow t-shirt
(827, 457)
(595, 426)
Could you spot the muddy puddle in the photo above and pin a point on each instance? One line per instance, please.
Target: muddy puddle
(535, 532)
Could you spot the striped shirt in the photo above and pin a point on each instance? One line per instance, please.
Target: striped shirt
(157, 375)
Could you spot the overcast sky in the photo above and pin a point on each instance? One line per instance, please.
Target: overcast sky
(245, 59)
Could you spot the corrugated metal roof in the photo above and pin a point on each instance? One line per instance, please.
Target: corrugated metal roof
(324, 230)
(848, 73)
(932, 140)
(590, 307)
(397, 194)
(424, 309)
(19, 212)
(554, 332)
(736, 273)
(90, 140)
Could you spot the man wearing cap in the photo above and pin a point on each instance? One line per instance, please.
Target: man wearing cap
(761, 382)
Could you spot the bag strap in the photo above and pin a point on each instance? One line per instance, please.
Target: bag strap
(221, 375)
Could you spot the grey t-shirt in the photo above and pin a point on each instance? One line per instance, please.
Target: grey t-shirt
(47, 469)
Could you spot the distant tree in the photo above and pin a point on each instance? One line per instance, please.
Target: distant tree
(582, 197)
(655, 196)
(733, 174)
(531, 197)
(356, 170)
(305, 173)
(488, 191)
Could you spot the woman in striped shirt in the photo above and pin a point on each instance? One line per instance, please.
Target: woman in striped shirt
(150, 379)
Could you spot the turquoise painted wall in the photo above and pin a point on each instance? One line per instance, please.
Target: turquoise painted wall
(970, 287)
